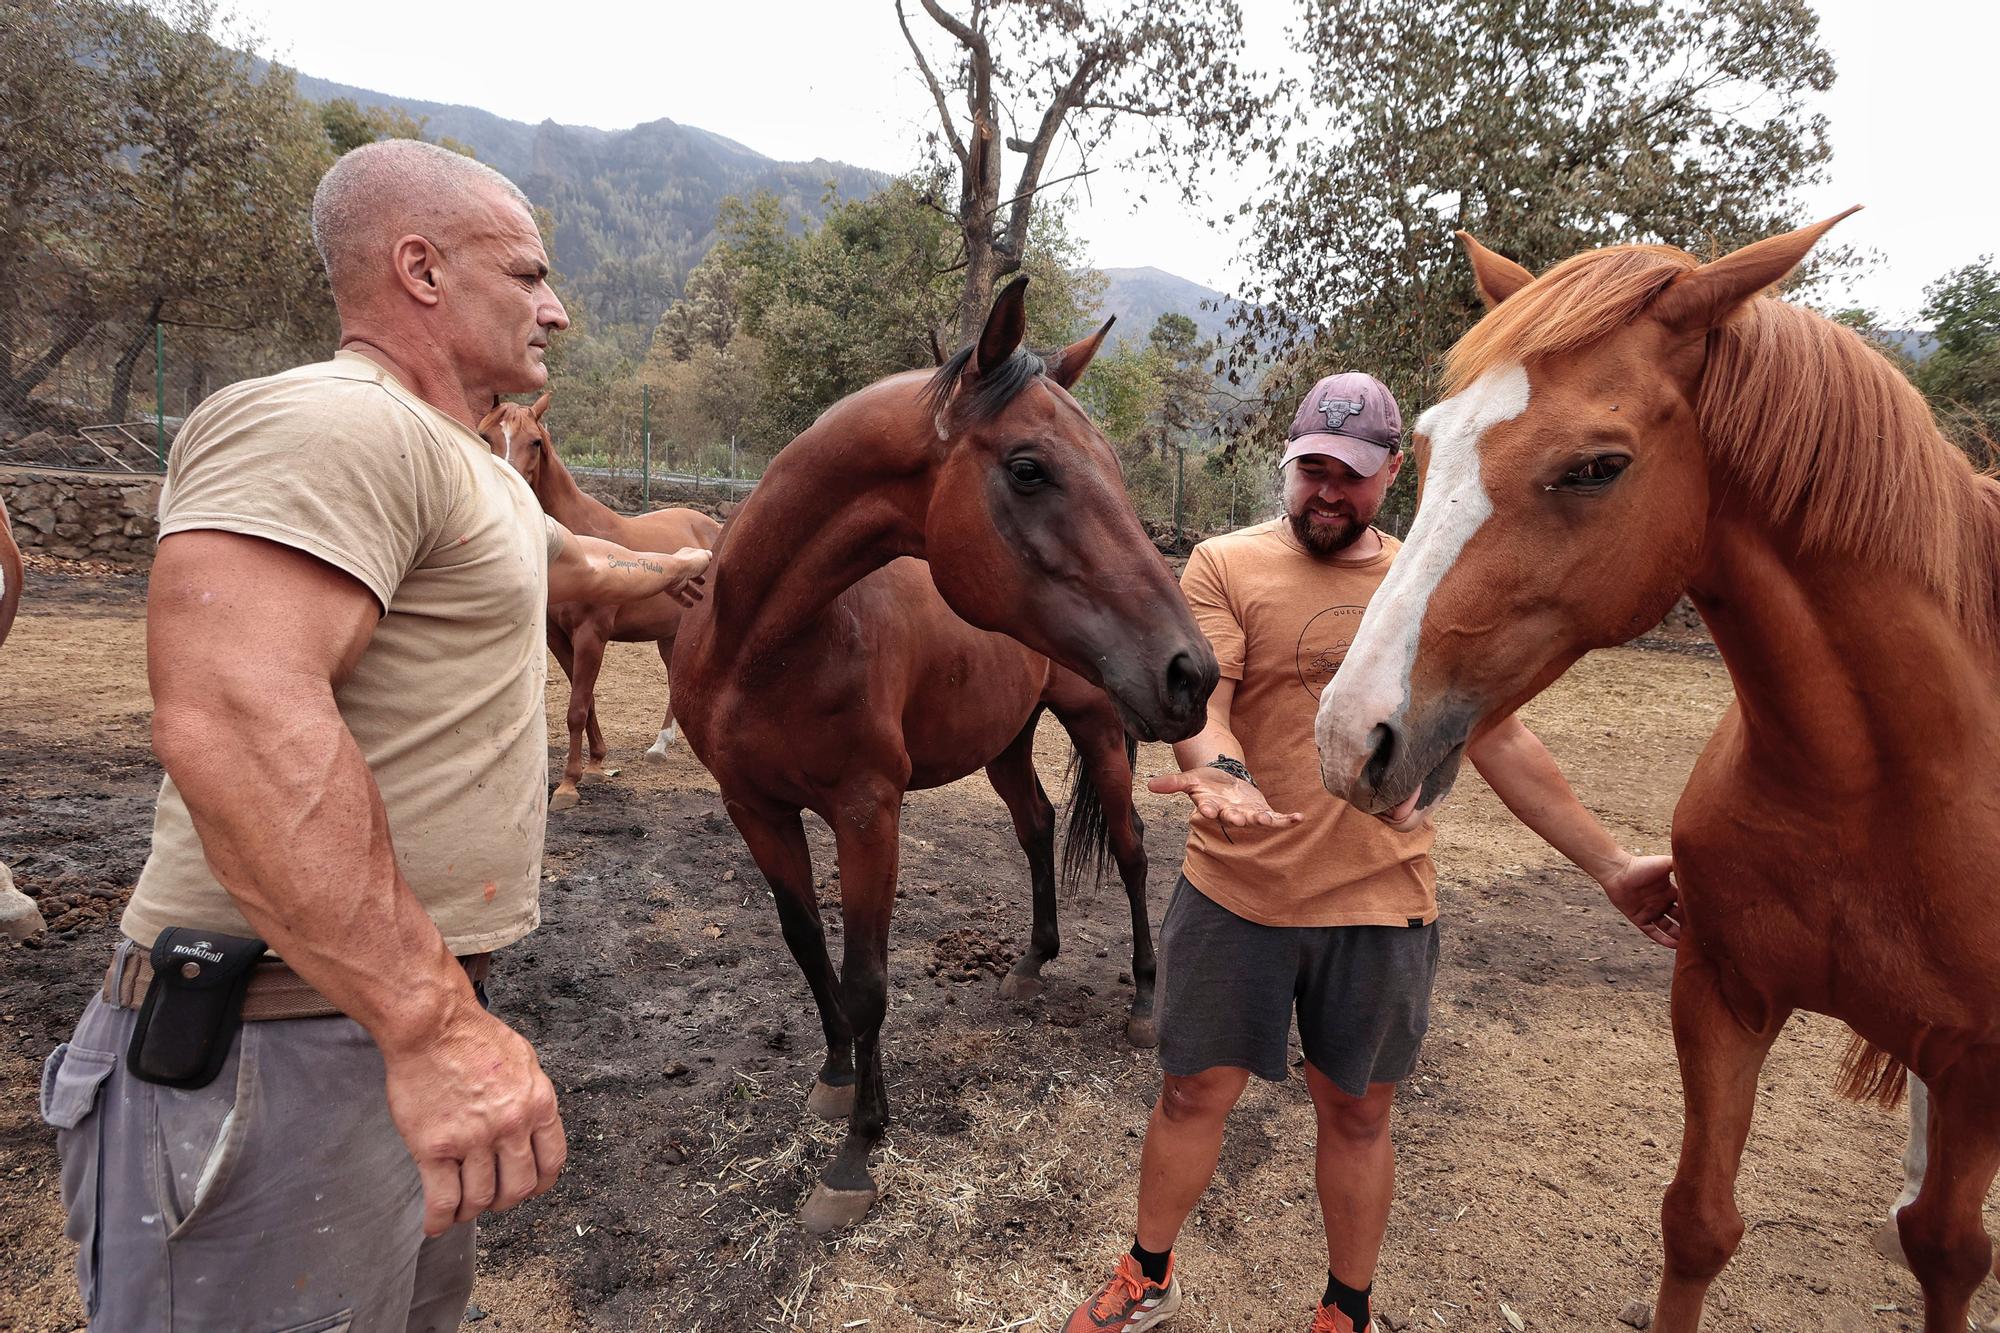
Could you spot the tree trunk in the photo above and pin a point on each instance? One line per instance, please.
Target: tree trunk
(128, 360)
(14, 390)
(979, 201)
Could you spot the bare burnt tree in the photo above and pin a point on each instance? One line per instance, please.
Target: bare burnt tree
(1043, 77)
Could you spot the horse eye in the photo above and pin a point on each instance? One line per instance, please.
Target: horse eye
(1027, 473)
(1594, 474)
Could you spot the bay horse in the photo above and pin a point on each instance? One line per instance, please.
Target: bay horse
(803, 683)
(579, 631)
(1633, 423)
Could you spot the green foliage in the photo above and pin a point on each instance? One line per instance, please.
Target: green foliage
(775, 326)
(1544, 127)
(1962, 377)
(175, 187)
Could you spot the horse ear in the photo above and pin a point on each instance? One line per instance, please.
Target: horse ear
(1068, 365)
(1496, 276)
(541, 406)
(1704, 297)
(1005, 326)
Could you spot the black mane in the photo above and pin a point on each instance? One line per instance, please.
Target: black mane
(991, 392)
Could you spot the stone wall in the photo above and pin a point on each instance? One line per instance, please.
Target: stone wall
(83, 515)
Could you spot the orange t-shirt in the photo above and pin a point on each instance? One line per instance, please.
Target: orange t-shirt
(1281, 621)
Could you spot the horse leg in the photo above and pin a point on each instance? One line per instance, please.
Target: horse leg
(867, 834)
(1943, 1233)
(1719, 1060)
(1013, 776)
(588, 649)
(777, 843)
(658, 750)
(594, 767)
(1916, 1153)
(1107, 766)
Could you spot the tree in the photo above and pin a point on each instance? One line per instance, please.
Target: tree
(215, 197)
(57, 131)
(1962, 377)
(1180, 353)
(1544, 127)
(855, 298)
(1033, 74)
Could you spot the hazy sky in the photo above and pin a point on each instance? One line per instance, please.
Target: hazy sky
(1911, 115)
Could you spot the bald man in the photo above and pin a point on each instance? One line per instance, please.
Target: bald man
(345, 647)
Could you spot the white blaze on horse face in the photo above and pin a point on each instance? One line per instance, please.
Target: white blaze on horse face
(1373, 684)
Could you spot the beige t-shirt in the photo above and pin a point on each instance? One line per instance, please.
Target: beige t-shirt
(342, 462)
(1281, 622)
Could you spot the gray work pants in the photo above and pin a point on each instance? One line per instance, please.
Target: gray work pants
(278, 1199)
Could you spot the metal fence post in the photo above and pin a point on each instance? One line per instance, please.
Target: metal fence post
(645, 444)
(160, 393)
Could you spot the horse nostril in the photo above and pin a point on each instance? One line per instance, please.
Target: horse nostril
(1381, 753)
(1184, 682)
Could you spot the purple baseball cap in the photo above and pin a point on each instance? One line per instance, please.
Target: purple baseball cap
(1351, 417)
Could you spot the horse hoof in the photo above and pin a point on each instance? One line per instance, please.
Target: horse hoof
(565, 798)
(656, 755)
(1888, 1243)
(599, 774)
(831, 1101)
(830, 1210)
(1020, 986)
(1142, 1033)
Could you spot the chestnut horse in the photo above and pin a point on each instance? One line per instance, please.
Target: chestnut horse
(1634, 423)
(804, 683)
(10, 574)
(579, 631)
(20, 918)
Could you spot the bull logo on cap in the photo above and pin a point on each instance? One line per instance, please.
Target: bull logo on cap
(1339, 409)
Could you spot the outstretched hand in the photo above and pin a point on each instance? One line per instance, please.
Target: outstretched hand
(1227, 800)
(689, 564)
(1643, 889)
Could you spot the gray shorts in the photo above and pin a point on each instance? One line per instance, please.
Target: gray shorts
(279, 1197)
(1228, 988)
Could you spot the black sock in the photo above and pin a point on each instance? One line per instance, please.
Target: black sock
(1352, 1303)
(1154, 1266)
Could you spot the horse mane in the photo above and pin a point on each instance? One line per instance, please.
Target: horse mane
(1804, 416)
(990, 392)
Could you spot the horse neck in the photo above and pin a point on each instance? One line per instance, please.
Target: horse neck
(564, 500)
(829, 511)
(1847, 675)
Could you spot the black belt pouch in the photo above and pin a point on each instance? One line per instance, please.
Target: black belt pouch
(193, 1007)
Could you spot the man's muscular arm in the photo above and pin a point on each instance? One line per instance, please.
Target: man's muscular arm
(246, 641)
(590, 569)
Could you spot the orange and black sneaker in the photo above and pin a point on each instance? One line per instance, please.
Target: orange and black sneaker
(1130, 1302)
(1333, 1319)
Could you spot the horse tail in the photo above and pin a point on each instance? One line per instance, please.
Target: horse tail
(1087, 841)
(1870, 1074)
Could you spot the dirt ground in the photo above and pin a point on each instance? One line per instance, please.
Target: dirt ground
(1533, 1143)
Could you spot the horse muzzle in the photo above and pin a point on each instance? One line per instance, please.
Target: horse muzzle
(1168, 703)
(1394, 767)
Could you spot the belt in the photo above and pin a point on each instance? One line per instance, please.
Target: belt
(275, 992)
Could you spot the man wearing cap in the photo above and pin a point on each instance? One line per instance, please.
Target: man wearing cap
(1323, 908)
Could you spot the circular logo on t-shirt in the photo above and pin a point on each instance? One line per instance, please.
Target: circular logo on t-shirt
(1323, 645)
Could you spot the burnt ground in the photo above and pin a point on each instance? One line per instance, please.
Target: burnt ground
(1534, 1141)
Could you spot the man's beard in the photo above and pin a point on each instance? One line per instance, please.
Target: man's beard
(1324, 539)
